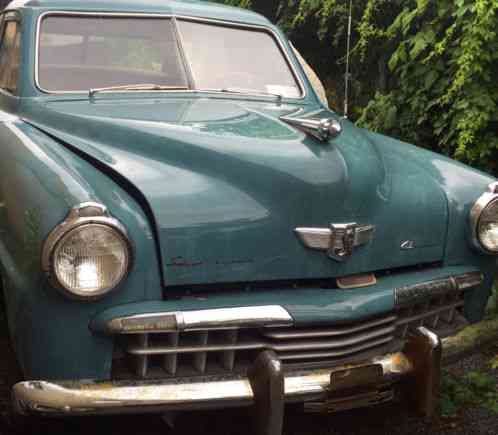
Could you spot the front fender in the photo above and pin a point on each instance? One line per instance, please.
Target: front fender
(462, 186)
(40, 181)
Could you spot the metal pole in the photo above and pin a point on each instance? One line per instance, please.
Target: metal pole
(348, 49)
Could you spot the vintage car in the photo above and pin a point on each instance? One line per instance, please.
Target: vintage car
(185, 225)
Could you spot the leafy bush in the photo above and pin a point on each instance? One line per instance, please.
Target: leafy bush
(474, 389)
(446, 93)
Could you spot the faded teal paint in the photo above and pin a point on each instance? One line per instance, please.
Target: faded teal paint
(169, 7)
(227, 182)
(44, 324)
(307, 306)
(227, 196)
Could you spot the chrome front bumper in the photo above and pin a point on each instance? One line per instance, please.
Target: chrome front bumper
(94, 398)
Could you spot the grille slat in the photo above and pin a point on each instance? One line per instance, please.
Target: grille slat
(441, 314)
(421, 315)
(336, 343)
(170, 361)
(200, 358)
(228, 356)
(334, 354)
(142, 361)
(327, 332)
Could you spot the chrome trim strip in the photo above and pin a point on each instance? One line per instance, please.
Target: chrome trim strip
(326, 332)
(81, 214)
(84, 398)
(493, 188)
(315, 354)
(469, 280)
(201, 320)
(416, 293)
(475, 214)
(274, 34)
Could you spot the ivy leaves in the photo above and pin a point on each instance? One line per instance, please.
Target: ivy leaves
(445, 65)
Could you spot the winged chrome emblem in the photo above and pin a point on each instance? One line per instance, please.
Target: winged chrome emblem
(339, 240)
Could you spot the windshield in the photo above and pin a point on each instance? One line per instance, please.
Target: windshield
(234, 58)
(80, 53)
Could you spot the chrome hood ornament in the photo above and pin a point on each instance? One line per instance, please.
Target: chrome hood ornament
(339, 240)
(322, 129)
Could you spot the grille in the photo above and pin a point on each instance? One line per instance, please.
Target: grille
(442, 314)
(227, 351)
(223, 351)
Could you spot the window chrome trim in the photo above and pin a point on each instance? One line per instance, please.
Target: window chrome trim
(86, 213)
(8, 16)
(224, 23)
(475, 214)
(201, 320)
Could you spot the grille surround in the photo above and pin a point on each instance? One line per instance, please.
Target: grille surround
(200, 343)
(168, 354)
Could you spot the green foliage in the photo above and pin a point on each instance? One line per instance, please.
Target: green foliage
(492, 308)
(446, 93)
(474, 389)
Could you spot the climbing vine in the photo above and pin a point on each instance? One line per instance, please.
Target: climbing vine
(445, 93)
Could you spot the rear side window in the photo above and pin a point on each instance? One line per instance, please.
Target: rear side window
(10, 56)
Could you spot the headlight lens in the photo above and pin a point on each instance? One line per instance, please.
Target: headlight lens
(90, 260)
(487, 228)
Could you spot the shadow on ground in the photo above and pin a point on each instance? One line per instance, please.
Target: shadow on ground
(387, 419)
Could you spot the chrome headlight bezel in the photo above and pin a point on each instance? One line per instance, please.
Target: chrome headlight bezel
(83, 215)
(482, 203)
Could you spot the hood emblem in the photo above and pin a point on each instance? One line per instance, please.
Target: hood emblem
(321, 129)
(339, 240)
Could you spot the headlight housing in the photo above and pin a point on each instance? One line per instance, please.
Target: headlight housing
(484, 221)
(89, 254)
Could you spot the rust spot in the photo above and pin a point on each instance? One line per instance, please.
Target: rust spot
(232, 262)
(183, 262)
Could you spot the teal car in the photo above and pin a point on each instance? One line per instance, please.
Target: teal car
(184, 224)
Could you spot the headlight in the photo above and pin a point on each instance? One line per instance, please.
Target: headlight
(484, 221)
(89, 254)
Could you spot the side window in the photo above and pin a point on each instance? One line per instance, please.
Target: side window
(10, 56)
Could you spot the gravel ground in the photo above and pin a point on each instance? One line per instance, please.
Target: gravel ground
(395, 419)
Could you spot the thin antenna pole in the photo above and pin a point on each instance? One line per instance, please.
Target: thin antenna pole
(348, 49)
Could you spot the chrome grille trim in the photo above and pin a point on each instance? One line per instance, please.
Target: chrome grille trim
(301, 345)
(337, 354)
(432, 313)
(201, 320)
(442, 314)
(416, 293)
(327, 332)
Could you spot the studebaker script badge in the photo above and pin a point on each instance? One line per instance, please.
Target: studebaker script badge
(339, 240)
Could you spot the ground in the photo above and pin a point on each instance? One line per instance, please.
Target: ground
(395, 419)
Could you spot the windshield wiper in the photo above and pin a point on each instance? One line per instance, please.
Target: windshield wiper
(245, 92)
(137, 87)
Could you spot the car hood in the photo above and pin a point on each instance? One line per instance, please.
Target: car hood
(228, 182)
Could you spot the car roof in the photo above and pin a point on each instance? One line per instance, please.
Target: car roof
(195, 8)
